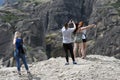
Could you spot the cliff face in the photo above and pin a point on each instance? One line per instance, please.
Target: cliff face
(36, 18)
(41, 20)
(16, 19)
(56, 12)
(106, 36)
(103, 40)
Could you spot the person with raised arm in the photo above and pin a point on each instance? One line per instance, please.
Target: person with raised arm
(68, 41)
(78, 33)
(19, 52)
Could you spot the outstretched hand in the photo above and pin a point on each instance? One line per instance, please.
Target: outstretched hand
(71, 21)
(94, 25)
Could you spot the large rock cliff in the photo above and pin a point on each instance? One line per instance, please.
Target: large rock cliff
(105, 38)
(41, 21)
(16, 19)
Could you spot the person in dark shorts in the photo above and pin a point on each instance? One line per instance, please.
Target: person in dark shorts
(84, 46)
(78, 33)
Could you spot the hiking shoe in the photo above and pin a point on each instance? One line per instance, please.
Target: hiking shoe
(28, 72)
(19, 72)
(74, 62)
(67, 63)
(83, 57)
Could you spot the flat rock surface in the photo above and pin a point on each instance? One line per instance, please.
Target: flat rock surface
(94, 67)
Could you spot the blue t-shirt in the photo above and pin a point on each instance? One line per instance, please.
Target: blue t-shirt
(19, 43)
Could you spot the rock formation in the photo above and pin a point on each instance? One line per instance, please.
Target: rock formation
(41, 21)
(94, 67)
(105, 38)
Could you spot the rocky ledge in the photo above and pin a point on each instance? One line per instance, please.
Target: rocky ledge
(94, 67)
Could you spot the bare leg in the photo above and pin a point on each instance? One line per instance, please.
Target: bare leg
(75, 49)
(80, 49)
(83, 50)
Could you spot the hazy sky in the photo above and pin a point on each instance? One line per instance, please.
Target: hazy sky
(1, 2)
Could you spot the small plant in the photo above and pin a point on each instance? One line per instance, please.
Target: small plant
(40, 1)
(8, 17)
(117, 6)
(50, 38)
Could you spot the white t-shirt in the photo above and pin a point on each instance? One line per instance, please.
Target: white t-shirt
(67, 35)
(84, 34)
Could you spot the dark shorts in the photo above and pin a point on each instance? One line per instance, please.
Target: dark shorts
(84, 40)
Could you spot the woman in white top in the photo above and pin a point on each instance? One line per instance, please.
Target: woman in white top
(68, 41)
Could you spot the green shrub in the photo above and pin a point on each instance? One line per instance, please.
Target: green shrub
(117, 6)
(9, 17)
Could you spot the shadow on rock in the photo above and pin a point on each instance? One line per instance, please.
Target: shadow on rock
(32, 77)
(92, 59)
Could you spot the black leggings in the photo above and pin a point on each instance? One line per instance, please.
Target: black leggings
(68, 47)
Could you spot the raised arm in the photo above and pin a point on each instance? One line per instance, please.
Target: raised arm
(14, 39)
(74, 26)
(87, 27)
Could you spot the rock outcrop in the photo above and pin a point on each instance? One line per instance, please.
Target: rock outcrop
(35, 19)
(14, 20)
(94, 67)
(41, 21)
(56, 13)
(105, 37)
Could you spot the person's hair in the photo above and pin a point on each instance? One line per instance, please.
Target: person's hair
(16, 36)
(66, 26)
(81, 23)
(77, 24)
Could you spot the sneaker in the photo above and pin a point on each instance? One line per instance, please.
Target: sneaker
(83, 57)
(19, 72)
(67, 63)
(74, 62)
(28, 71)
